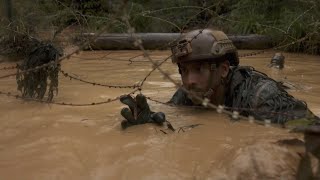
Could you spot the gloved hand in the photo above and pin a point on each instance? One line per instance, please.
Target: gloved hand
(139, 112)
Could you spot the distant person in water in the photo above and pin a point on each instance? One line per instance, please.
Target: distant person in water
(277, 61)
(209, 66)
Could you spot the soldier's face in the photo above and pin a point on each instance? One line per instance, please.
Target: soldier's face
(196, 78)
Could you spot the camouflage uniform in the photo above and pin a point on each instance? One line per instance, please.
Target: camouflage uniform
(253, 93)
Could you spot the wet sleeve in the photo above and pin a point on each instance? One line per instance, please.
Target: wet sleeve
(180, 98)
(272, 102)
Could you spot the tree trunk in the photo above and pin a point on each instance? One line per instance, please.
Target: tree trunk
(152, 41)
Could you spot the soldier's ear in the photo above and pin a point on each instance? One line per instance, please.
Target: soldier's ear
(224, 68)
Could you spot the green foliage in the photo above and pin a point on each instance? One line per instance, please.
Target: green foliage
(19, 45)
(284, 20)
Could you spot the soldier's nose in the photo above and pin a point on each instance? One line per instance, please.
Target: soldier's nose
(192, 79)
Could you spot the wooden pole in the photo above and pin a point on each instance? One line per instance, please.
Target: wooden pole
(152, 41)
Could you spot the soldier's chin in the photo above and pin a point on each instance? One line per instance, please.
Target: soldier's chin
(198, 99)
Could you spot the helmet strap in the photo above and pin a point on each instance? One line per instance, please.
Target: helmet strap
(211, 90)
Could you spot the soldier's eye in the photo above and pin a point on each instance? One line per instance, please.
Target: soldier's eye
(183, 69)
(203, 68)
(197, 68)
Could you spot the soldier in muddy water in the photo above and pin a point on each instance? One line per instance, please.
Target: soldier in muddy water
(209, 67)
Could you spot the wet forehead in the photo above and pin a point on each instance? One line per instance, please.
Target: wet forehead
(193, 64)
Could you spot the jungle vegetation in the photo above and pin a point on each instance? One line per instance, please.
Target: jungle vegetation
(283, 20)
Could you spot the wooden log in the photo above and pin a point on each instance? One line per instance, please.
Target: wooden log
(153, 41)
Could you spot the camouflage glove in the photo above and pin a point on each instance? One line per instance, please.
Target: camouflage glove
(139, 112)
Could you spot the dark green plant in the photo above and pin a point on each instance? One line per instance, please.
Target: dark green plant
(284, 20)
(35, 84)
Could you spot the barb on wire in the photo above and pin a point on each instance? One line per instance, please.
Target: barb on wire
(173, 105)
(153, 69)
(97, 84)
(252, 53)
(131, 59)
(159, 102)
(9, 68)
(171, 8)
(182, 128)
(93, 58)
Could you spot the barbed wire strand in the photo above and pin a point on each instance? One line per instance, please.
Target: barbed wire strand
(154, 67)
(225, 107)
(63, 103)
(96, 84)
(8, 68)
(93, 58)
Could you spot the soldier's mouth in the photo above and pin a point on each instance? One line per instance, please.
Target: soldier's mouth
(196, 96)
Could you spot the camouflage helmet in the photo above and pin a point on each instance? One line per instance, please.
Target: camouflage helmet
(207, 44)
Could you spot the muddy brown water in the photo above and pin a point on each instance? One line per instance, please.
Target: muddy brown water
(41, 141)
